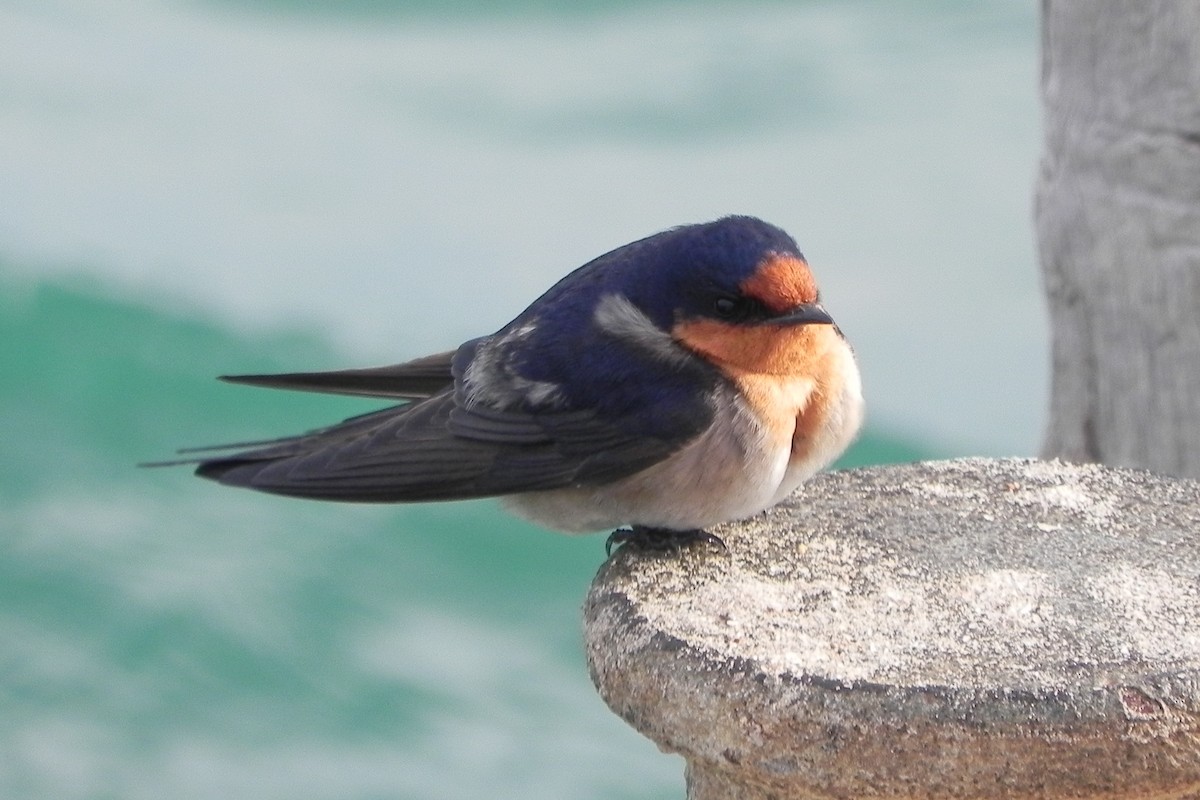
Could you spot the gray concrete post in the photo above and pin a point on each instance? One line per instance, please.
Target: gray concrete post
(972, 628)
(1118, 227)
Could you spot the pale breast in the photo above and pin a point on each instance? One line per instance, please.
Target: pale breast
(830, 420)
(770, 433)
(730, 471)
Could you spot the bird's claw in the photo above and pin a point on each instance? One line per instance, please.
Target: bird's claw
(659, 540)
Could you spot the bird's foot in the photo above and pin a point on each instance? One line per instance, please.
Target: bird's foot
(659, 540)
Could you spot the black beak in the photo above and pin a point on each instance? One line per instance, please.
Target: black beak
(807, 314)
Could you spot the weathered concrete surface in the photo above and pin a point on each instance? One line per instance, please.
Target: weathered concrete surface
(968, 628)
(1118, 224)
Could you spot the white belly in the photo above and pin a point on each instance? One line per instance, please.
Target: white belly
(729, 472)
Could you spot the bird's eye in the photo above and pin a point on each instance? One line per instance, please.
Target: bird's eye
(727, 307)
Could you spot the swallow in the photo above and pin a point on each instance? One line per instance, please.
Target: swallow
(683, 380)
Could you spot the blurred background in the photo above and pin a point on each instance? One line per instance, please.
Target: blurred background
(197, 187)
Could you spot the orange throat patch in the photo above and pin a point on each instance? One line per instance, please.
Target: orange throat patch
(766, 349)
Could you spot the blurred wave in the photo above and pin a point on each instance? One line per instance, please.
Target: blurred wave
(408, 180)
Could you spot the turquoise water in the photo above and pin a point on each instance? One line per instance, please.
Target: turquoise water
(168, 637)
(192, 189)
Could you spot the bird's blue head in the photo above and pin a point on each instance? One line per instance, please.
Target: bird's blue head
(736, 291)
(736, 270)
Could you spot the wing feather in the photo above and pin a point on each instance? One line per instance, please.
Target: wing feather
(412, 380)
(523, 410)
(437, 450)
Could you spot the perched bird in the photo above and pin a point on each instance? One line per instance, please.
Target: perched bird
(683, 380)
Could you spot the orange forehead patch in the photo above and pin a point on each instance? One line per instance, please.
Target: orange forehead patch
(781, 283)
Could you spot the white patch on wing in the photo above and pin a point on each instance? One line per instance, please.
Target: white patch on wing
(616, 315)
(540, 393)
(490, 378)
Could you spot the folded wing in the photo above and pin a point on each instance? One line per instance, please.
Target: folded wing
(439, 447)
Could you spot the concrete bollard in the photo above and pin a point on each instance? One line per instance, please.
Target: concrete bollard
(962, 629)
